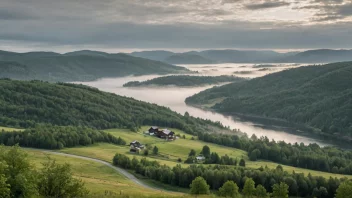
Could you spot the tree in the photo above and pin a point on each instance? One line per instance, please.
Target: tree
(199, 186)
(18, 172)
(192, 153)
(214, 158)
(280, 190)
(249, 188)
(344, 190)
(155, 150)
(190, 160)
(320, 192)
(146, 152)
(229, 189)
(260, 192)
(242, 163)
(4, 187)
(56, 181)
(254, 155)
(206, 151)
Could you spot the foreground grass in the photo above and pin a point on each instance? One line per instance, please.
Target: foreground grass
(99, 179)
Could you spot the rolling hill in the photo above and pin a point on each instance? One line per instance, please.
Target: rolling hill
(24, 104)
(317, 96)
(78, 66)
(158, 55)
(320, 56)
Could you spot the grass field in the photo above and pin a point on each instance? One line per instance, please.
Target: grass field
(99, 179)
(9, 129)
(290, 169)
(176, 149)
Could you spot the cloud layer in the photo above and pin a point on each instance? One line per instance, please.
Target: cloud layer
(176, 24)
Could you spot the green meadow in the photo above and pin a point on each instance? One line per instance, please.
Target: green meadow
(171, 151)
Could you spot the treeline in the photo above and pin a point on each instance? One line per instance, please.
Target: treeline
(212, 158)
(315, 96)
(25, 104)
(312, 156)
(57, 137)
(217, 175)
(184, 81)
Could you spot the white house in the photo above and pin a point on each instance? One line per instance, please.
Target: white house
(200, 158)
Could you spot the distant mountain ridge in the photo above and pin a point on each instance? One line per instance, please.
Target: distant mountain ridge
(82, 65)
(188, 58)
(243, 56)
(320, 56)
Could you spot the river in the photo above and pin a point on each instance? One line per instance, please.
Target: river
(174, 97)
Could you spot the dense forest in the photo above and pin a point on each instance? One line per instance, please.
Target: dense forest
(24, 104)
(184, 81)
(57, 137)
(316, 96)
(217, 175)
(77, 66)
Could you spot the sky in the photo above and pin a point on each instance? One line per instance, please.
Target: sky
(177, 25)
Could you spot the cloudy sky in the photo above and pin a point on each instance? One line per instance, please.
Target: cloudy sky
(127, 25)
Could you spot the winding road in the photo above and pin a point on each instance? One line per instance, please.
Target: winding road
(120, 170)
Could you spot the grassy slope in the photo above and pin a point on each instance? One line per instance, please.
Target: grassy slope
(9, 129)
(177, 149)
(98, 178)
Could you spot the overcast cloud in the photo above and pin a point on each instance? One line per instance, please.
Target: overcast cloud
(166, 24)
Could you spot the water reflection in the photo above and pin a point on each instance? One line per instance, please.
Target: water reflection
(174, 97)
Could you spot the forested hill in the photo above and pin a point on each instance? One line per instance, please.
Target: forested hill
(27, 103)
(318, 96)
(184, 81)
(78, 66)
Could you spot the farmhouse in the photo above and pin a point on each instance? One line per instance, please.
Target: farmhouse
(162, 133)
(153, 130)
(165, 134)
(200, 158)
(136, 146)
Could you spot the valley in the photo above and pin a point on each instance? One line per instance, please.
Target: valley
(179, 95)
(127, 124)
(176, 99)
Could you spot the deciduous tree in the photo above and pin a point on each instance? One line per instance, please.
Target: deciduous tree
(280, 190)
(199, 186)
(249, 188)
(344, 190)
(229, 189)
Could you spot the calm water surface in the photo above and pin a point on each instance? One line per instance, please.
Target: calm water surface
(174, 97)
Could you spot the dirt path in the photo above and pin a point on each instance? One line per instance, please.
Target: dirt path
(120, 170)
